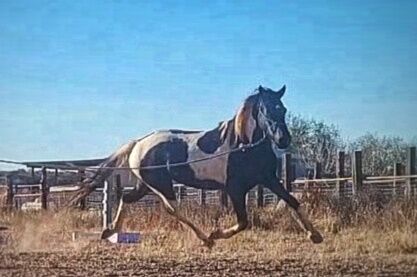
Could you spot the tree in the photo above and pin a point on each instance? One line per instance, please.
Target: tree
(379, 153)
(315, 141)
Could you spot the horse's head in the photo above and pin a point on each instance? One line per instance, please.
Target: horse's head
(264, 110)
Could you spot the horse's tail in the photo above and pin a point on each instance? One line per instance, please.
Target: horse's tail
(104, 170)
(119, 158)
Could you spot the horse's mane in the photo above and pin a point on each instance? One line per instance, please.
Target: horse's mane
(244, 122)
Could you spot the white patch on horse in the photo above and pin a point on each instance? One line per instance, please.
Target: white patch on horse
(245, 124)
(142, 147)
(251, 126)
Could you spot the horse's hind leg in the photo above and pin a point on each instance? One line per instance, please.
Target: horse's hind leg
(170, 207)
(239, 205)
(131, 197)
(297, 211)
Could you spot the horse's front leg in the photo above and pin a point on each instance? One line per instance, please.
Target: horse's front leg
(297, 211)
(239, 206)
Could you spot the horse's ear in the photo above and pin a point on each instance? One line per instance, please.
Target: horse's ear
(281, 91)
(245, 124)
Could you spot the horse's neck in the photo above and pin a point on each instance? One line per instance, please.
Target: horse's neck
(227, 134)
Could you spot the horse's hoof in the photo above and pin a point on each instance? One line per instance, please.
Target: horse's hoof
(215, 234)
(107, 233)
(209, 243)
(315, 237)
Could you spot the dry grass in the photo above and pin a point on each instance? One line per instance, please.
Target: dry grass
(360, 226)
(366, 236)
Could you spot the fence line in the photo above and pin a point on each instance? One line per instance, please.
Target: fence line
(396, 185)
(329, 180)
(392, 177)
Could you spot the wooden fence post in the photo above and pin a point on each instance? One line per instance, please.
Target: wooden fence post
(357, 175)
(10, 192)
(16, 203)
(286, 171)
(340, 171)
(410, 169)
(202, 197)
(224, 199)
(308, 183)
(56, 177)
(44, 189)
(293, 171)
(106, 212)
(180, 192)
(119, 188)
(83, 201)
(397, 172)
(317, 170)
(260, 196)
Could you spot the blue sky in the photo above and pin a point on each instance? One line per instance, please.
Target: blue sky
(79, 78)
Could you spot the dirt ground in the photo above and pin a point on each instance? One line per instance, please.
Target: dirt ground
(79, 264)
(381, 244)
(299, 258)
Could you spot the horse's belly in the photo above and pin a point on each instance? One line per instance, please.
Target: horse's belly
(214, 169)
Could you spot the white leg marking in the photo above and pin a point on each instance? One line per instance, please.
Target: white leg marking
(227, 233)
(118, 219)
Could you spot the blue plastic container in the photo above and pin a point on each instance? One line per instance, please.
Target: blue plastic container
(128, 237)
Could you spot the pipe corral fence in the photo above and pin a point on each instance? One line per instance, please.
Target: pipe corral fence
(47, 193)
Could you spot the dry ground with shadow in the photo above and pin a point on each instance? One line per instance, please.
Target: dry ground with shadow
(363, 237)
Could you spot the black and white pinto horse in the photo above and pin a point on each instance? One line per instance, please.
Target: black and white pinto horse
(213, 159)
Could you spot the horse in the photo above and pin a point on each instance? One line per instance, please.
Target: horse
(235, 156)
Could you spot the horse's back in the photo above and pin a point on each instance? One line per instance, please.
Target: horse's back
(159, 141)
